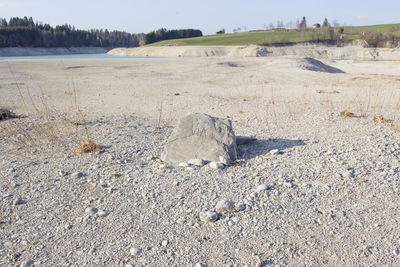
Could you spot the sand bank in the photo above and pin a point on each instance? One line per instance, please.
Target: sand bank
(314, 51)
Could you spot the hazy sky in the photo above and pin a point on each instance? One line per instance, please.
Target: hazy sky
(207, 15)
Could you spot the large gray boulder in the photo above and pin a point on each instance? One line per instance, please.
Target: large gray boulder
(201, 136)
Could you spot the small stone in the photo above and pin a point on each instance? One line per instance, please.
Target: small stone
(27, 263)
(199, 264)
(190, 169)
(181, 220)
(68, 226)
(135, 251)
(224, 206)
(216, 165)
(197, 162)
(103, 213)
(240, 207)
(208, 216)
(90, 210)
(162, 166)
(128, 265)
(262, 187)
(79, 252)
(288, 184)
(396, 252)
(183, 164)
(7, 244)
(77, 175)
(235, 220)
(164, 243)
(19, 201)
(63, 173)
(274, 152)
(224, 160)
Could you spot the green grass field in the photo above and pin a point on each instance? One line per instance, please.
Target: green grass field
(259, 37)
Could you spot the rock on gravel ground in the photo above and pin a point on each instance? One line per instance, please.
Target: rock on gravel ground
(330, 198)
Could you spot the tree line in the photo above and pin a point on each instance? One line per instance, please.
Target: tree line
(25, 32)
(164, 34)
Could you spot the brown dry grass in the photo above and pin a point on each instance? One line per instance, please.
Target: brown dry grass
(379, 118)
(43, 125)
(347, 114)
(87, 146)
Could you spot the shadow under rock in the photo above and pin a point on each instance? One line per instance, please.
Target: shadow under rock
(261, 147)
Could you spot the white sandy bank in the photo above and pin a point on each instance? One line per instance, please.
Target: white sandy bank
(314, 51)
(36, 51)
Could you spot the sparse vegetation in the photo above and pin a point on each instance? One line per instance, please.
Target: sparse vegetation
(333, 35)
(378, 118)
(87, 146)
(347, 114)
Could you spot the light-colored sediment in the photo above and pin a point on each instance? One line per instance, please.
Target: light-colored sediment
(315, 189)
(36, 51)
(314, 51)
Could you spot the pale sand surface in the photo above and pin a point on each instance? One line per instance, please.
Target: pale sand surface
(329, 198)
(351, 52)
(139, 86)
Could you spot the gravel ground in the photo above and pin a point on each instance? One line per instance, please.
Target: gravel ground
(328, 196)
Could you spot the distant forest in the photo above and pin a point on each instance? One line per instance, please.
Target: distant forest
(164, 34)
(25, 32)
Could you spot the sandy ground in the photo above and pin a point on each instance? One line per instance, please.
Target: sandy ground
(352, 52)
(331, 195)
(139, 86)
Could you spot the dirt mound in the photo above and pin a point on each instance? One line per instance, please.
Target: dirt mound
(312, 64)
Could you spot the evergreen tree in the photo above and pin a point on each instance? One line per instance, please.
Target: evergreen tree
(326, 23)
(303, 23)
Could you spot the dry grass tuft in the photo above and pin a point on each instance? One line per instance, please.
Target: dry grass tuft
(347, 114)
(115, 175)
(87, 146)
(325, 92)
(379, 118)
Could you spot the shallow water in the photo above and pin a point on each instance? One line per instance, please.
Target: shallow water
(69, 56)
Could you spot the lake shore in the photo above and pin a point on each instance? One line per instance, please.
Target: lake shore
(39, 51)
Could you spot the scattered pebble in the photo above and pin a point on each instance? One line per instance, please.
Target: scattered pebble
(183, 164)
(197, 162)
(274, 152)
(224, 206)
(77, 175)
(240, 207)
(216, 165)
(27, 263)
(90, 210)
(18, 201)
(164, 243)
(263, 187)
(103, 213)
(224, 160)
(135, 251)
(208, 216)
